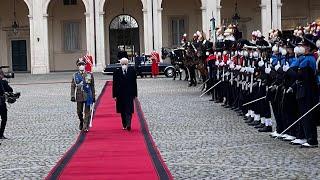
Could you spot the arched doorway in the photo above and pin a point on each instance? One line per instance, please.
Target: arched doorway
(15, 35)
(114, 12)
(67, 33)
(124, 35)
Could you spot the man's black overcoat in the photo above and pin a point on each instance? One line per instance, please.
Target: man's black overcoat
(125, 89)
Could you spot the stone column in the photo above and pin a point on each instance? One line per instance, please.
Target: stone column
(276, 14)
(90, 34)
(218, 16)
(205, 28)
(101, 53)
(32, 62)
(279, 7)
(39, 39)
(147, 35)
(265, 17)
(158, 30)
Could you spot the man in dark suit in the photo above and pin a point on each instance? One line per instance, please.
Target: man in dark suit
(124, 91)
(4, 87)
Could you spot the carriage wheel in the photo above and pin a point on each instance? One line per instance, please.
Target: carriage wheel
(169, 72)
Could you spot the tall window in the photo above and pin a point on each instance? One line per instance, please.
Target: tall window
(71, 36)
(70, 2)
(178, 29)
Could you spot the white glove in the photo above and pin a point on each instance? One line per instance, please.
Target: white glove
(231, 66)
(290, 90)
(277, 66)
(238, 67)
(243, 69)
(270, 60)
(260, 63)
(229, 62)
(286, 67)
(217, 63)
(207, 53)
(267, 70)
(221, 63)
(251, 70)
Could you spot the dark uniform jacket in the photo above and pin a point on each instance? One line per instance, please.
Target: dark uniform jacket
(4, 87)
(125, 89)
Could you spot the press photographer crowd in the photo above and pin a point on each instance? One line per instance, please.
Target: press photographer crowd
(6, 96)
(278, 74)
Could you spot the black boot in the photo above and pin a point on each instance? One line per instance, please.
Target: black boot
(249, 120)
(81, 125)
(266, 129)
(259, 126)
(254, 123)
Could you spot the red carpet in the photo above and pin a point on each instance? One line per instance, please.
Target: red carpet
(108, 152)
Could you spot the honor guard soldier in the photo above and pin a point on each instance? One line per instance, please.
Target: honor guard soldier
(307, 93)
(83, 92)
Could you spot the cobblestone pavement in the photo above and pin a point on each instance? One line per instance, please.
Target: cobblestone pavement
(197, 138)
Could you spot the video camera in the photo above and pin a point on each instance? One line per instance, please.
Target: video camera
(7, 75)
(11, 97)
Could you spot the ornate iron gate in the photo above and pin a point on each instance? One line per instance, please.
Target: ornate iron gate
(123, 34)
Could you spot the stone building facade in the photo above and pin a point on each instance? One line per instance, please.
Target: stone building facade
(42, 36)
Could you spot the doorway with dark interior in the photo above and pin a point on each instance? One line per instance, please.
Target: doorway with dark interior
(124, 35)
(19, 55)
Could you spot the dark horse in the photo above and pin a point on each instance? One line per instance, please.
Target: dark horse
(177, 57)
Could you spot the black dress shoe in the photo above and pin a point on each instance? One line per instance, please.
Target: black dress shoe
(129, 128)
(211, 100)
(3, 137)
(249, 120)
(80, 126)
(266, 129)
(254, 123)
(227, 106)
(259, 126)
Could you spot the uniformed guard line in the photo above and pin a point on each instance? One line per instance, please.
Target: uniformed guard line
(211, 88)
(256, 100)
(298, 120)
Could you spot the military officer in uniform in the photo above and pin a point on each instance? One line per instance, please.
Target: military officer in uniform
(83, 93)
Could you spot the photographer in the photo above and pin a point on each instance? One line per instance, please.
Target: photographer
(4, 87)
